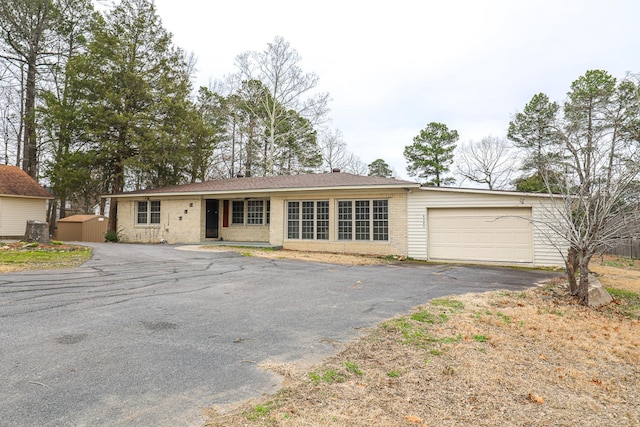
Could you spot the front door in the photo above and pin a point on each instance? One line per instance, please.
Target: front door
(212, 219)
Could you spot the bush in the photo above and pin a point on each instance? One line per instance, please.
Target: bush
(112, 236)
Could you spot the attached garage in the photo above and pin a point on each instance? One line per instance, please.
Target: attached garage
(503, 235)
(481, 226)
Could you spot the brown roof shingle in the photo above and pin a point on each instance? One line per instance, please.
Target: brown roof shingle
(285, 182)
(16, 182)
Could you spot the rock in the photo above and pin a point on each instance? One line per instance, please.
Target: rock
(598, 295)
(37, 231)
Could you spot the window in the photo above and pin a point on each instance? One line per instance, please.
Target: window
(258, 212)
(345, 220)
(237, 212)
(268, 212)
(293, 220)
(363, 220)
(322, 220)
(308, 220)
(380, 220)
(148, 212)
(255, 211)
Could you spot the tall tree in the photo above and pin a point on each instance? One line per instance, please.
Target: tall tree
(431, 154)
(299, 148)
(206, 126)
(380, 168)
(487, 162)
(133, 84)
(535, 132)
(284, 88)
(26, 27)
(65, 167)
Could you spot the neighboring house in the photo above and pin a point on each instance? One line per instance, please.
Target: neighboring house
(341, 212)
(21, 199)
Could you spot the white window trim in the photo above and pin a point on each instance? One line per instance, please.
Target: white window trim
(148, 223)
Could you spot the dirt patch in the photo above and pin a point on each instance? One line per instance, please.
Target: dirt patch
(331, 258)
(530, 358)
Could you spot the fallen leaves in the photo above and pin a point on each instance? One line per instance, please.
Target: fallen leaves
(415, 420)
(535, 398)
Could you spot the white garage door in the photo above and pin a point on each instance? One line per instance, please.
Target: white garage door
(480, 234)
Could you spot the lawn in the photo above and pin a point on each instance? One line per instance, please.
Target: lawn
(530, 358)
(18, 256)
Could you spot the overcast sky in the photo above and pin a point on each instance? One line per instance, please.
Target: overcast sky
(391, 67)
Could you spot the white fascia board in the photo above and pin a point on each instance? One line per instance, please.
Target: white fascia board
(17, 196)
(262, 190)
(492, 192)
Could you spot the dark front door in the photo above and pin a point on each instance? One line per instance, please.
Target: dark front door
(212, 219)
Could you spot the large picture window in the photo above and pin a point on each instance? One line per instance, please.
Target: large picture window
(363, 220)
(148, 212)
(308, 220)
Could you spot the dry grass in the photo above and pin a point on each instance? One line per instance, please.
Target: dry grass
(532, 358)
(617, 272)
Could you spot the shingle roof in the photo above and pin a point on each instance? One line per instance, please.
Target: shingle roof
(16, 182)
(279, 183)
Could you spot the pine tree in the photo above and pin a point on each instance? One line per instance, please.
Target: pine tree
(431, 154)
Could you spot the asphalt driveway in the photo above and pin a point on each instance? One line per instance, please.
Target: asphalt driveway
(151, 335)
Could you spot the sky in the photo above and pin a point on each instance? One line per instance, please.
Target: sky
(392, 67)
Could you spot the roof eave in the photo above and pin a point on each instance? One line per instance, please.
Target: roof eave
(22, 196)
(485, 191)
(262, 190)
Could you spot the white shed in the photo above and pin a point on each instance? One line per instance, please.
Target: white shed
(481, 226)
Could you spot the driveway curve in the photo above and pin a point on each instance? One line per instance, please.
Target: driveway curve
(150, 335)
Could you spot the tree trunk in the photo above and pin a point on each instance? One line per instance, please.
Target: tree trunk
(117, 186)
(37, 231)
(29, 149)
(51, 214)
(572, 266)
(583, 286)
(113, 215)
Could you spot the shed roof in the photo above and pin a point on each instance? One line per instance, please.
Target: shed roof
(278, 183)
(16, 182)
(79, 218)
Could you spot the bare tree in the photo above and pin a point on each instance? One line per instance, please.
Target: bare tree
(285, 87)
(334, 150)
(598, 205)
(336, 155)
(488, 161)
(356, 166)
